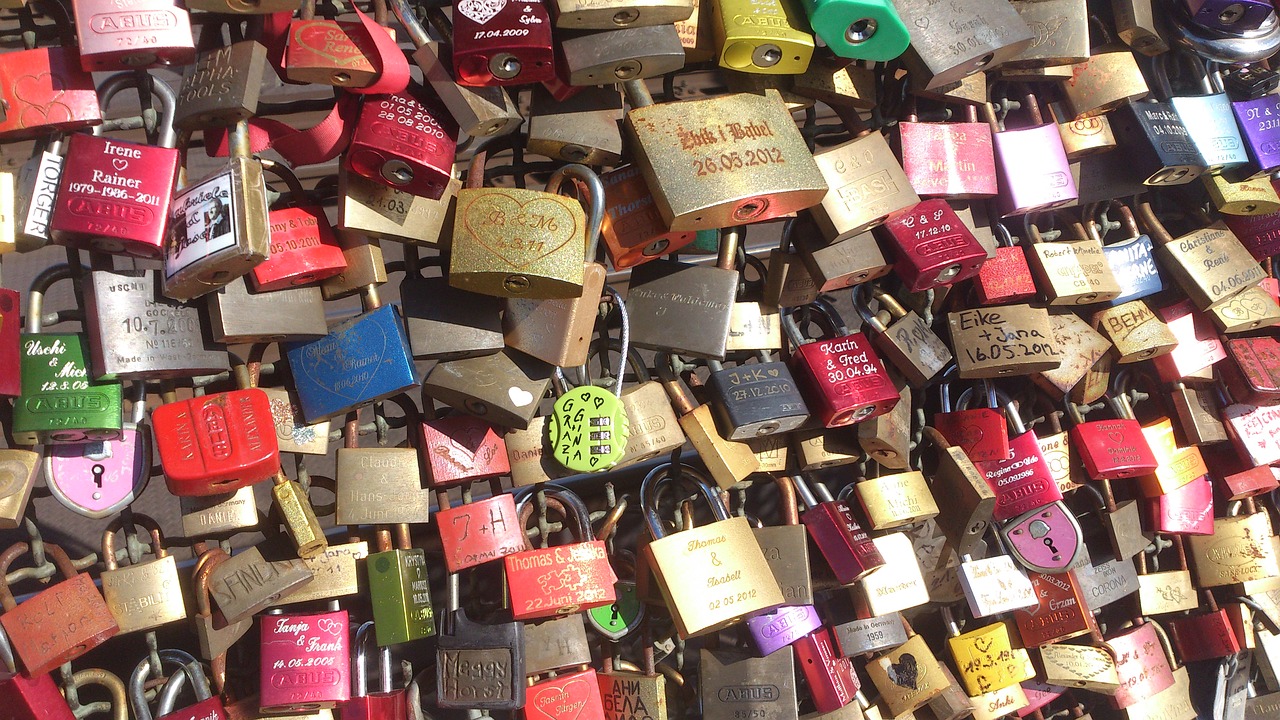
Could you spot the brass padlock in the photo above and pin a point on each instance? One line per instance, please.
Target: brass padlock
(1003, 341)
(906, 340)
(582, 129)
(1135, 331)
(143, 595)
(1166, 591)
(589, 15)
(907, 676)
(1074, 271)
(1209, 263)
(629, 53)
(867, 184)
(1107, 79)
(727, 462)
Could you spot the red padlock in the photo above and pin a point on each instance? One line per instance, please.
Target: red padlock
(1022, 480)
(571, 695)
(848, 549)
(35, 698)
(953, 160)
(216, 444)
(462, 448)
(502, 42)
(385, 704)
(932, 245)
(832, 682)
(139, 34)
(842, 379)
(1187, 510)
(1198, 344)
(1204, 635)
(57, 624)
(1252, 370)
(563, 579)
(1254, 431)
(208, 706)
(304, 662)
(478, 532)
(303, 248)
(1005, 278)
(1240, 479)
(1114, 448)
(405, 142)
(981, 432)
(114, 195)
(46, 91)
(10, 328)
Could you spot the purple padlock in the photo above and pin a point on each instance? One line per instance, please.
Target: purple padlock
(1046, 540)
(1232, 16)
(99, 479)
(1259, 121)
(775, 630)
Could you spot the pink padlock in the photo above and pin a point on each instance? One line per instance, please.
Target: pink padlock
(305, 662)
(98, 479)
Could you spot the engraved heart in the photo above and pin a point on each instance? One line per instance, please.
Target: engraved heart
(773, 372)
(562, 703)
(520, 233)
(519, 396)
(40, 95)
(347, 360)
(120, 164)
(969, 436)
(904, 673)
(331, 626)
(922, 22)
(983, 644)
(1243, 308)
(481, 11)
(1115, 437)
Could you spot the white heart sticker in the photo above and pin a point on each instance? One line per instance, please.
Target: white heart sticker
(519, 396)
(481, 11)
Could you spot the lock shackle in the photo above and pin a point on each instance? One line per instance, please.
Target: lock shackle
(137, 679)
(662, 473)
(680, 399)
(731, 239)
(637, 93)
(1149, 222)
(1010, 411)
(119, 701)
(159, 90)
(834, 328)
(209, 560)
(139, 520)
(359, 668)
(1096, 220)
(806, 491)
(787, 503)
(634, 361)
(1004, 238)
(10, 554)
(297, 193)
(35, 295)
(590, 181)
(862, 304)
(169, 694)
(409, 19)
(572, 507)
(949, 375)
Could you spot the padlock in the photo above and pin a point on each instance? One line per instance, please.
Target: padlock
(1252, 430)
(965, 519)
(379, 485)
(892, 501)
(303, 249)
(1198, 348)
(629, 691)
(583, 129)
(979, 431)
(1107, 80)
(478, 666)
(772, 174)
(405, 141)
(336, 573)
(218, 443)
(753, 400)
(1115, 448)
(218, 225)
(1027, 187)
(1236, 16)
(899, 584)
(1006, 340)
(1249, 370)
(1081, 666)
(1083, 137)
(1005, 278)
(155, 33)
(654, 427)
(986, 659)
(58, 402)
(1071, 271)
(214, 642)
(208, 706)
(830, 676)
(633, 231)
(1135, 331)
(575, 14)
(787, 281)
(786, 549)
(907, 676)
(339, 372)
(222, 86)
(515, 50)
(1021, 480)
(842, 379)
(998, 34)
(95, 479)
(727, 462)
(36, 191)
(950, 160)
(461, 449)
(1055, 445)
(907, 341)
(57, 624)
(1046, 539)
(1060, 612)
(868, 635)
(1209, 263)
(138, 334)
(372, 705)
(1135, 24)
(1106, 583)
(782, 628)
(491, 253)
(588, 427)
(594, 58)
(994, 584)
(1187, 510)
(443, 322)
(751, 583)
(931, 246)
(862, 29)
(755, 326)
(1142, 665)
(1061, 33)
(847, 548)
(36, 698)
(1198, 415)
(36, 103)
(1157, 143)
(141, 595)
(129, 219)
(867, 185)
(187, 667)
(733, 683)
(1254, 116)
(399, 591)
(1166, 591)
(1207, 116)
(239, 315)
(835, 82)
(783, 45)
(1131, 260)
(886, 439)
(329, 52)
(1239, 550)
(479, 531)
(1249, 197)
(380, 211)
(664, 286)
(503, 388)
(318, 676)
(555, 645)
(531, 573)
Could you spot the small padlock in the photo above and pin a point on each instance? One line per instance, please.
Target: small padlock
(633, 231)
(405, 141)
(289, 643)
(756, 399)
(906, 340)
(1115, 448)
(1131, 260)
(1209, 263)
(208, 706)
(479, 531)
(998, 33)
(842, 379)
(387, 702)
(979, 431)
(303, 249)
(516, 49)
(381, 211)
(367, 479)
(44, 104)
(867, 185)
(782, 46)
(725, 674)
(907, 676)
(1006, 340)
(583, 129)
(157, 32)
(399, 591)
(1135, 331)
(1071, 271)
(214, 642)
(1142, 667)
(478, 666)
(223, 85)
(950, 160)
(1106, 80)
(95, 479)
(1005, 278)
(849, 551)
(1027, 187)
(1060, 612)
(1157, 143)
(503, 388)
(142, 595)
(965, 519)
(664, 286)
(239, 315)
(1021, 480)
(443, 322)
(1166, 591)
(329, 52)
(987, 661)
(932, 246)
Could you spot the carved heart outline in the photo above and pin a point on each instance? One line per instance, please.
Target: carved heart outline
(567, 691)
(331, 626)
(481, 11)
(333, 359)
(34, 114)
(507, 208)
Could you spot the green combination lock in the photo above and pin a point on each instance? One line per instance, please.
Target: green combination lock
(588, 425)
(859, 29)
(399, 589)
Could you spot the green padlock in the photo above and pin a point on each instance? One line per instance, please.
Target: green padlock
(588, 426)
(399, 589)
(859, 29)
(620, 619)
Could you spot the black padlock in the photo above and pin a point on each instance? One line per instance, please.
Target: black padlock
(1156, 142)
(478, 666)
(755, 399)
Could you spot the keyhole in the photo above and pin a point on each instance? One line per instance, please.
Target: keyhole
(98, 471)
(1048, 542)
(617, 616)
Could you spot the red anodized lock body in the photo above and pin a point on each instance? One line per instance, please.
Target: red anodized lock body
(208, 709)
(932, 246)
(843, 380)
(403, 142)
(558, 580)
(478, 532)
(303, 250)
(114, 196)
(1203, 636)
(1022, 481)
(502, 42)
(846, 546)
(130, 35)
(45, 90)
(35, 698)
(305, 661)
(980, 432)
(463, 448)
(1113, 449)
(10, 328)
(1005, 278)
(829, 675)
(571, 695)
(216, 444)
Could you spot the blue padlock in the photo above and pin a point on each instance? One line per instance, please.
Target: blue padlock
(360, 361)
(1132, 261)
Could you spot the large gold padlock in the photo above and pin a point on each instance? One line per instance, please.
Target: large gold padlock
(1239, 550)
(1002, 341)
(1209, 263)
(1073, 271)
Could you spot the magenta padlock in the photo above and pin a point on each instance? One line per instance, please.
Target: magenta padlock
(98, 479)
(1022, 481)
(1031, 165)
(404, 142)
(1188, 510)
(775, 630)
(304, 662)
(1260, 234)
(1046, 540)
(130, 36)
